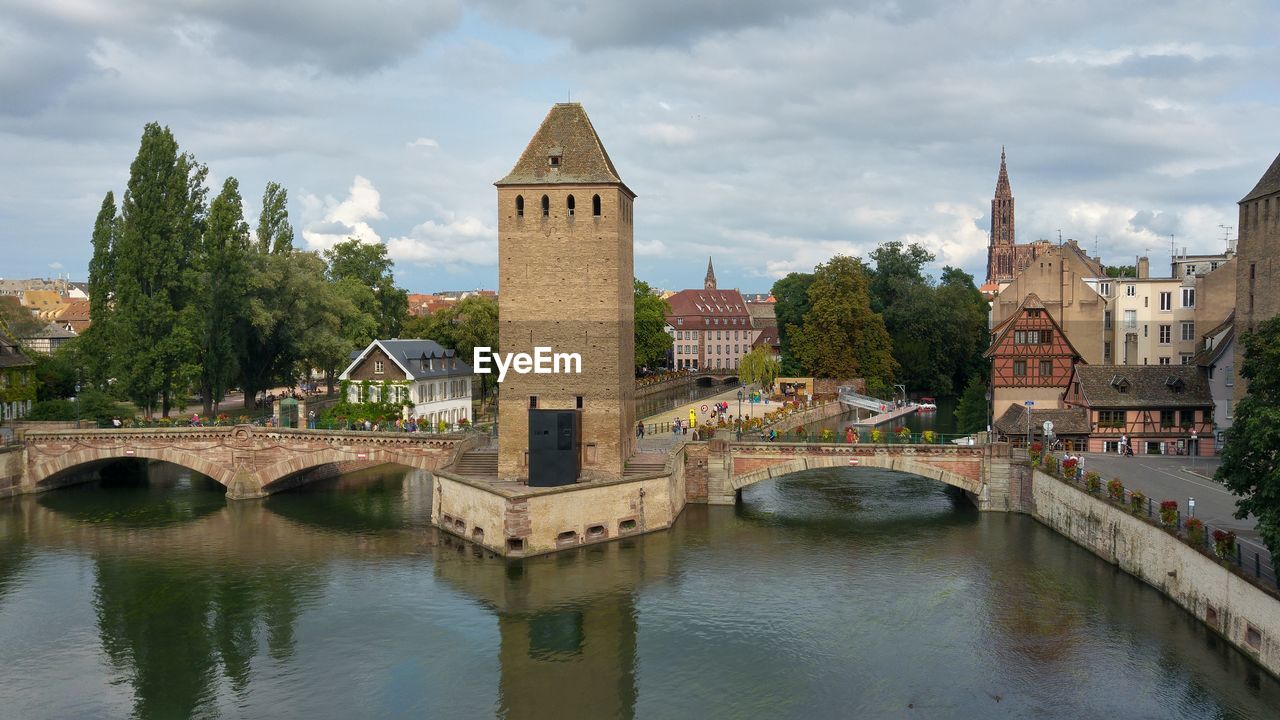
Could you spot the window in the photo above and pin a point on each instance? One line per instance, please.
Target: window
(1019, 368)
(1229, 375)
(1230, 408)
(1188, 330)
(569, 205)
(680, 321)
(377, 367)
(1186, 358)
(554, 160)
(1166, 300)
(546, 206)
(578, 401)
(1130, 290)
(595, 205)
(1130, 319)
(1144, 330)
(1104, 289)
(519, 206)
(1106, 319)
(1166, 333)
(533, 402)
(1188, 297)
(1166, 418)
(1165, 361)
(1046, 337)
(1106, 351)
(1110, 418)
(1046, 368)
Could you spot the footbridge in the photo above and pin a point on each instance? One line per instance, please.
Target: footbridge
(249, 461)
(984, 472)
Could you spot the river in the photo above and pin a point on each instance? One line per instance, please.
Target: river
(838, 593)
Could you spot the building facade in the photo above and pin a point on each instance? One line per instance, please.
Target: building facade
(1156, 410)
(712, 328)
(1060, 278)
(1159, 321)
(1216, 359)
(566, 282)
(1031, 359)
(17, 380)
(427, 381)
(1258, 260)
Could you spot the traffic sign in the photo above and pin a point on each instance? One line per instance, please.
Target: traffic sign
(1048, 426)
(1029, 403)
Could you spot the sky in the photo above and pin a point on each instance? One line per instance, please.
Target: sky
(768, 135)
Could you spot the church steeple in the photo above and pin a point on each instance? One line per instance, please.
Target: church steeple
(1001, 254)
(1002, 182)
(710, 282)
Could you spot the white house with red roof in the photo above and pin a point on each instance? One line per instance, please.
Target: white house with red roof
(711, 328)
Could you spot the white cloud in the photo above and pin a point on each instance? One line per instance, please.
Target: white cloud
(333, 221)
(464, 241)
(425, 143)
(55, 266)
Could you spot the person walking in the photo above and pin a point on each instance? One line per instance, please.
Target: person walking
(640, 429)
(675, 426)
(693, 418)
(1124, 444)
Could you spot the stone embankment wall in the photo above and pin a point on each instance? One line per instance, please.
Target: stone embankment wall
(814, 414)
(11, 461)
(1245, 615)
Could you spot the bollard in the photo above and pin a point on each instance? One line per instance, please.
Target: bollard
(1149, 506)
(1257, 565)
(1239, 555)
(1177, 527)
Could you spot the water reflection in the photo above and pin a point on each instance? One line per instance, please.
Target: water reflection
(843, 592)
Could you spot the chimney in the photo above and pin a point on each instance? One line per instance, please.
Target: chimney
(1144, 268)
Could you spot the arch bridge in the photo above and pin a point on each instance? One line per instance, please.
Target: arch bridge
(985, 472)
(251, 462)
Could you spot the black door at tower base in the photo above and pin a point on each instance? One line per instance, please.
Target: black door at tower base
(553, 447)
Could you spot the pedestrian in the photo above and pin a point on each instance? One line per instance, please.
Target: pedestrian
(848, 434)
(1124, 444)
(311, 419)
(195, 419)
(640, 429)
(675, 426)
(693, 418)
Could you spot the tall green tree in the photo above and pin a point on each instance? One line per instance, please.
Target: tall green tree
(98, 339)
(971, 411)
(217, 314)
(791, 296)
(162, 219)
(841, 337)
(899, 274)
(370, 264)
(1250, 462)
(275, 234)
(652, 341)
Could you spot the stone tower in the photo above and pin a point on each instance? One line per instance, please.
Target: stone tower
(1258, 263)
(1000, 249)
(565, 281)
(710, 282)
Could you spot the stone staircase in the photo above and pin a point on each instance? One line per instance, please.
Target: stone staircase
(478, 463)
(645, 464)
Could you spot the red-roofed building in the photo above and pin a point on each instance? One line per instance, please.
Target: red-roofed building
(711, 328)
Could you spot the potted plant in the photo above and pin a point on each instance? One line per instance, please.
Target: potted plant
(1136, 502)
(1093, 481)
(928, 436)
(1195, 531)
(1069, 467)
(904, 435)
(1115, 489)
(1224, 544)
(1168, 513)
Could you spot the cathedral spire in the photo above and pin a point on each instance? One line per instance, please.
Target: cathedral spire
(1002, 183)
(710, 282)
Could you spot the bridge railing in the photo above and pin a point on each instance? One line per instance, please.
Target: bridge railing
(866, 402)
(1251, 558)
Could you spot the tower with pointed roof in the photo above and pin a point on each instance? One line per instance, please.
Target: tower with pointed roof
(1257, 260)
(709, 283)
(1000, 247)
(565, 282)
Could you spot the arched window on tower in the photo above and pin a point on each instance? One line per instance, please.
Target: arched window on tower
(519, 206)
(569, 204)
(595, 205)
(546, 206)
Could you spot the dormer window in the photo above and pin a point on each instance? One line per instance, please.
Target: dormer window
(553, 158)
(377, 367)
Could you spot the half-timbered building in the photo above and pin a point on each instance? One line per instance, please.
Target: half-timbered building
(1155, 409)
(1031, 359)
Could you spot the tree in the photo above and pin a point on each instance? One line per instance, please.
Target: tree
(369, 264)
(791, 295)
(216, 315)
(841, 337)
(971, 411)
(759, 367)
(275, 234)
(98, 337)
(1121, 271)
(652, 341)
(1250, 463)
(162, 218)
(899, 273)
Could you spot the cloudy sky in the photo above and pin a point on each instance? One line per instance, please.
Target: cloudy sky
(769, 134)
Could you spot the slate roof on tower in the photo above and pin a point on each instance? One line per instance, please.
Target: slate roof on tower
(1268, 185)
(566, 135)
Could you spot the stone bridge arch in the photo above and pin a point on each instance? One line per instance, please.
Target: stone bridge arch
(250, 462)
(884, 461)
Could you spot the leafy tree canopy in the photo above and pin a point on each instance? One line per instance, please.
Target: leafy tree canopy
(651, 339)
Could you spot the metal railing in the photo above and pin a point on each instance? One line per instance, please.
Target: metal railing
(814, 437)
(1251, 558)
(866, 402)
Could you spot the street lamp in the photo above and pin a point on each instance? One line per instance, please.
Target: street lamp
(739, 413)
(77, 402)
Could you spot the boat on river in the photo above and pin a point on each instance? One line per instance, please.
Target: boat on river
(927, 404)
